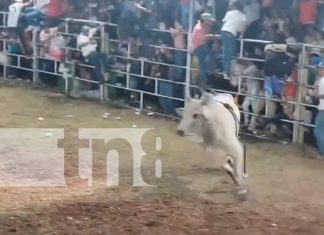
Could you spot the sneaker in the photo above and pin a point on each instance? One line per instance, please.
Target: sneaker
(63, 70)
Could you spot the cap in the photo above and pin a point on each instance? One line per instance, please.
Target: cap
(85, 28)
(207, 17)
(315, 51)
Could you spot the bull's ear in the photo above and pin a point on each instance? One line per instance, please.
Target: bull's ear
(206, 98)
(180, 111)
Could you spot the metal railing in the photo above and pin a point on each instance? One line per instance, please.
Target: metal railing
(299, 124)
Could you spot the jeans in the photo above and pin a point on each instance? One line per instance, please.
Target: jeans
(229, 50)
(48, 66)
(98, 60)
(202, 53)
(180, 60)
(319, 131)
(33, 16)
(167, 105)
(273, 86)
(185, 8)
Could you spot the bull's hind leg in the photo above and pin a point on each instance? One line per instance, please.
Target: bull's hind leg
(234, 165)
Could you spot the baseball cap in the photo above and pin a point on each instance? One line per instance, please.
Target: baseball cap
(207, 16)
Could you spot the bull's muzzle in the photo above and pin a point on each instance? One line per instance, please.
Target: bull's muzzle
(180, 132)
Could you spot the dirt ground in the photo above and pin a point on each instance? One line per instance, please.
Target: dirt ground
(286, 188)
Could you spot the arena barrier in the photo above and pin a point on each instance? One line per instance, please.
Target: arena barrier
(301, 123)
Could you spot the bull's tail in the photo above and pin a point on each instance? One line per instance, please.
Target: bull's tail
(244, 161)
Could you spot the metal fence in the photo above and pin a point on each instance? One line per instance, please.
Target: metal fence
(110, 85)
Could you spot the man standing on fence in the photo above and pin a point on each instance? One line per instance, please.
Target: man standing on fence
(234, 24)
(200, 45)
(319, 122)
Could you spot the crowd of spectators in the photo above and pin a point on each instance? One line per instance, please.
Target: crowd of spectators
(151, 42)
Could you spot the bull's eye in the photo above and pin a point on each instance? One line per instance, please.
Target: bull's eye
(195, 115)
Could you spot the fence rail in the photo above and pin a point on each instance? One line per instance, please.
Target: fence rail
(299, 124)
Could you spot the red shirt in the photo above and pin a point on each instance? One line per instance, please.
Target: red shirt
(307, 11)
(56, 8)
(291, 86)
(198, 37)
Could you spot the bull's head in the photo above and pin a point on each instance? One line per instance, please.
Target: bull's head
(194, 114)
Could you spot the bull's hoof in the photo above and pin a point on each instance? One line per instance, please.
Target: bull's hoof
(242, 194)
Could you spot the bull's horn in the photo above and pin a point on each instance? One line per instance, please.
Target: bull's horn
(188, 99)
(205, 98)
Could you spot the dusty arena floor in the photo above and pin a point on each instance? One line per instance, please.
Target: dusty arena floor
(286, 189)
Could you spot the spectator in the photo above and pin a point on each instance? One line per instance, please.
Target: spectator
(130, 13)
(234, 25)
(15, 50)
(200, 45)
(53, 44)
(252, 10)
(319, 122)
(307, 12)
(14, 23)
(15, 11)
(179, 43)
(251, 87)
(33, 16)
(184, 11)
(88, 45)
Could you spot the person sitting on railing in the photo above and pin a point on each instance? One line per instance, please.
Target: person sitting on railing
(234, 24)
(200, 45)
(88, 46)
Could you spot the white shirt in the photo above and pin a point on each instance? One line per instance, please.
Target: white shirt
(321, 92)
(234, 22)
(14, 14)
(91, 47)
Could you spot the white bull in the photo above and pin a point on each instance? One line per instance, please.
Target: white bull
(215, 120)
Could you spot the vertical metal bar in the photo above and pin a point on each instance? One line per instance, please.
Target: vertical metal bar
(156, 86)
(103, 50)
(35, 58)
(241, 47)
(188, 67)
(300, 83)
(141, 101)
(5, 68)
(101, 90)
(128, 64)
